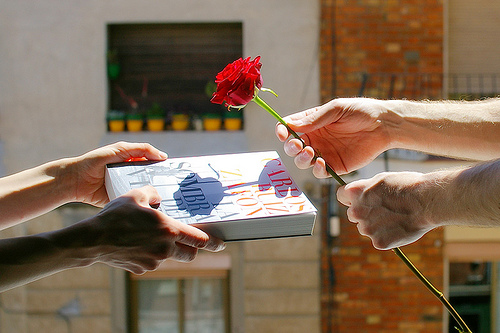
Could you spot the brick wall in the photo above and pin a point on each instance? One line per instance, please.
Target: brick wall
(378, 36)
(363, 289)
(373, 291)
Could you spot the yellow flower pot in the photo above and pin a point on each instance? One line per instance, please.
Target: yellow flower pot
(232, 124)
(116, 125)
(180, 122)
(212, 124)
(134, 125)
(155, 125)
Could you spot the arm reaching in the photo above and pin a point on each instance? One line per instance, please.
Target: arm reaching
(127, 234)
(397, 208)
(351, 132)
(32, 192)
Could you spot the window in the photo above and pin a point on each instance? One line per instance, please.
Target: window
(182, 298)
(470, 294)
(191, 305)
(169, 68)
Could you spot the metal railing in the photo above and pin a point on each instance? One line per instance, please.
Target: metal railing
(433, 86)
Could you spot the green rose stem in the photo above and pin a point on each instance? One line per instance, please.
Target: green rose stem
(463, 326)
(397, 250)
(266, 107)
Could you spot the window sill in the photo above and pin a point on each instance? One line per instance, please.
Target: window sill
(185, 143)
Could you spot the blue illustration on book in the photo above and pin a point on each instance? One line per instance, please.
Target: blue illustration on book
(234, 196)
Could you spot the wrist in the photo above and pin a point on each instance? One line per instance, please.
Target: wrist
(477, 190)
(445, 198)
(65, 179)
(75, 244)
(397, 123)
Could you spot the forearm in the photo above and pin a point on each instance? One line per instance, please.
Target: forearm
(29, 258)
(36, 191)
(468, 130)
(469, 196)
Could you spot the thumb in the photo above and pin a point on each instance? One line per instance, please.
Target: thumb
(310, 119)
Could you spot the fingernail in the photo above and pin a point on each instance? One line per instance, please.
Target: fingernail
(163, 155)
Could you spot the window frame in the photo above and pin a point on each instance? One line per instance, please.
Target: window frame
(205, 266)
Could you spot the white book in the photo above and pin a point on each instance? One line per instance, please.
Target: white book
(233, 197)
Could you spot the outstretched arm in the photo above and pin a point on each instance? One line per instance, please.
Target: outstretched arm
(32, 192)
(127, 234)
(461, 129)
(351, 132)
(397, 208)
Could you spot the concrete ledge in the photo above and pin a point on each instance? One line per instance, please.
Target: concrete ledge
(186, 143)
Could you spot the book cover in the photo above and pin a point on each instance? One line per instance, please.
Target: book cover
(233, 197)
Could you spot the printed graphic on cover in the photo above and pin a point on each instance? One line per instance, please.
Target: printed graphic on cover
(234, 196)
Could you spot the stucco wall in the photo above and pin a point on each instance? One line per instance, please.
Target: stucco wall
(52, 104)
(53, 84)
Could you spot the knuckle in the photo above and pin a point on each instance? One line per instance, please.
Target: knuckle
(381, 244)
(137, 270)
(151, 265)
(172, 232)
(189, 255)
(162, 251)
(355, 214)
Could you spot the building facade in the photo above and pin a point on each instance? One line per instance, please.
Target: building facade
(56, 94)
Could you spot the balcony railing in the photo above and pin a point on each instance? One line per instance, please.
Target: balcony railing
(429, 86)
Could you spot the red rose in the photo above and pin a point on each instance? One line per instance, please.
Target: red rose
(237, 82)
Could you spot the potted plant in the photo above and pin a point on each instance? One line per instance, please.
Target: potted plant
(116, 120)
(233, 120)
(113, 64)
(135, 121)
(155, 118)
(180, 121)
(212, 121)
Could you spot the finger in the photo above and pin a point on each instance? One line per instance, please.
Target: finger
(122, 151)
(305, 158)
(214, 244)
(132, 268)
(350, 216)
(146, 196)
(146, 150)
(301, 118)
(319, 169)
(191, 236)
(293, 147)
(184, 253)
(343, 197)
(281, 132)
(310, 119)
(357, 213)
